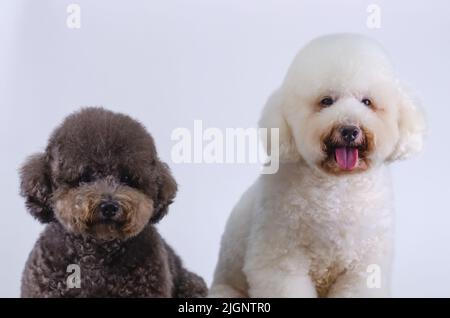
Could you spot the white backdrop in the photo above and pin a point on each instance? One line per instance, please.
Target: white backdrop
(168, 63)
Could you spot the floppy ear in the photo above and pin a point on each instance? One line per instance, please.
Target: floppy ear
(35, 187)
(167, 188)
(411, 125)
(272, 117)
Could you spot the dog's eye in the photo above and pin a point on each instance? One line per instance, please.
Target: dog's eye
(366, 102)
(327, 101)
(86, 177)
(127, 180)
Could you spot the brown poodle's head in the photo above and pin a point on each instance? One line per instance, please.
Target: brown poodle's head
(99, 176)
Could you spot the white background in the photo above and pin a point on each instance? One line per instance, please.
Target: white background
(168, 63)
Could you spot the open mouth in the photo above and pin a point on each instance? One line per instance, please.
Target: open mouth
(346, 157)
(343, 156)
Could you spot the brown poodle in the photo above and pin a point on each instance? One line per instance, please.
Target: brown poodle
(101, 187)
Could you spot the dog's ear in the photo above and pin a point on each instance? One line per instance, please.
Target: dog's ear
(167, 188)
(411, 125)
(35, 187)
(272, 117)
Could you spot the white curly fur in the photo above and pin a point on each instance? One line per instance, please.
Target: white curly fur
(303, 232)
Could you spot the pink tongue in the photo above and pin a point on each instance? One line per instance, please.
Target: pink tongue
(346, 157)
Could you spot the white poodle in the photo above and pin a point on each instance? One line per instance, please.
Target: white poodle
(322, 225)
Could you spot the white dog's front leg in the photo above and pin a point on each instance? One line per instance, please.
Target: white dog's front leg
(366, 280)
(270, 283)
(284, 276)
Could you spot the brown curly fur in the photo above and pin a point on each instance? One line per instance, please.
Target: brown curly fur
(93, 157)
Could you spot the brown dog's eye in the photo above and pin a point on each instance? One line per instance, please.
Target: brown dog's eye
(127, 180)
(367, 102)
(327, 101)
(86, 177)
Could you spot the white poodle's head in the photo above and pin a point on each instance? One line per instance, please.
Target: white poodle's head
(341, 109)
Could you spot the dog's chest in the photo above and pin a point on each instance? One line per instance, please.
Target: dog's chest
(119, 276)
(135, 269)
(335, 221)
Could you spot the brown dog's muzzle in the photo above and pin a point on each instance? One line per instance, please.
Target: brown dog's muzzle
(103, 209)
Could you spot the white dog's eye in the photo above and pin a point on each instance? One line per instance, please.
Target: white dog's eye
(367, 102)
(327, 101)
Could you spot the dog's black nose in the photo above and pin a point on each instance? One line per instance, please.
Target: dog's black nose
(350, 133)
(109, 209)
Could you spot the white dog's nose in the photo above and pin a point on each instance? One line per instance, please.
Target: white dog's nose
(350, 133)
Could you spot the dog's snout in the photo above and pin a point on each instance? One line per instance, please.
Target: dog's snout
(350, 133)
(109, 209)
